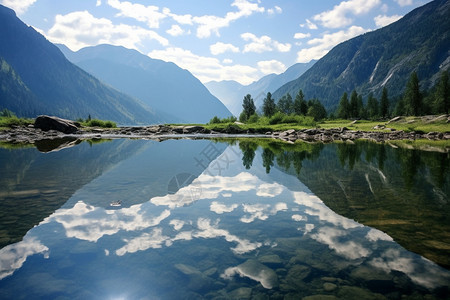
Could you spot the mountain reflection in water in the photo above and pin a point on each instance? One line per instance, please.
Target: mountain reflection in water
(255, 220)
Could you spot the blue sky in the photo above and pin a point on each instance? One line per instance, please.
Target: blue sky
(240, 40)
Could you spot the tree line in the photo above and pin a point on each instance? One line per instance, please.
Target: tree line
(413, 102)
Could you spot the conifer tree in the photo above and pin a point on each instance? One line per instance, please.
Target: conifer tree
(248, 106)
(269, 107)
(442, 95)
(343, 109)
(412, 96)
(384, 103)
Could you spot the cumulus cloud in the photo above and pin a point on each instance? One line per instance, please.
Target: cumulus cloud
(270, 189)
(383, 20)
(80, 29)
(206, 68)
(181, 19)
(19, 6)
(13, 256)
(220, 208)
(219, 48)
(90, 223)
(209, 24)
(321, 46)
(263, 44)
(175, 30)
(404, 2)
(339, 15)
(261, 211)
(300, 35)
(99, 2)
(148, 14)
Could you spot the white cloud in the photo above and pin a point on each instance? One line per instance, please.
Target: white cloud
(227, 61)
(321, 46)
(90, 223)
(148, 14)
(175, 30)
(13, 256)
(338, 16)
(383, 20)
(80, 29)
(209, 24)
(331, 236)
(275, 10)
(309, 24)
(219, 48)
(19, 6)
(270, 189)
(99, 2)
(263, 44)
(300, 35)
(270, 67)
(404, 2)
(261, 211)
(181, 19)
(206, 68)
(220, 208)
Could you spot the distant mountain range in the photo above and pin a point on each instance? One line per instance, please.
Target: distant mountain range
(36, 78)
(173, 92)
(231, 93)
(420, 42)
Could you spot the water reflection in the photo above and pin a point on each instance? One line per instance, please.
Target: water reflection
(239, 228)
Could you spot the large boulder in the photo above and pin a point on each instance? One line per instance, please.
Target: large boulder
(47, 123)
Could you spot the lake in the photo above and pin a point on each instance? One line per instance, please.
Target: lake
(223, 219)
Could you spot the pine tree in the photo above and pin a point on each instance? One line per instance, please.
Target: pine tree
(300, 106)
(412, 96)
(269, 107)
(372, 107)
(442, 95)
(248, 106)
(384, 103)
(353, 111)
(285, 104)
(343, 109)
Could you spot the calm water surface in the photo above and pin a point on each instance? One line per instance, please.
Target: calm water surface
(224, 220)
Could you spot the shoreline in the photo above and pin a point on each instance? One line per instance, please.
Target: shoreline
(30, 134)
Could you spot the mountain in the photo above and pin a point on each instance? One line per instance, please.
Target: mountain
(162, 85)
(36, 78)
(231, 92)
(420, 41)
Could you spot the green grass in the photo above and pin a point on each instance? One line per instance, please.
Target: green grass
(99, 123)
(8, 122)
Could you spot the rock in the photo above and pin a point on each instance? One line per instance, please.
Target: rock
(353, 292)
(378, 127)
(272, 259)
(329, 287)
(241, 293)
(47, 123)
(178, 129)
(394, 120)
(193, 129)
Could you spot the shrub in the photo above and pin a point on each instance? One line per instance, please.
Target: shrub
(100, 123)
(253, 119)
(276, 118)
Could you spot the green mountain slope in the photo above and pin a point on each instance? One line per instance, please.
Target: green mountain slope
(38, 79)
(420, 42)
